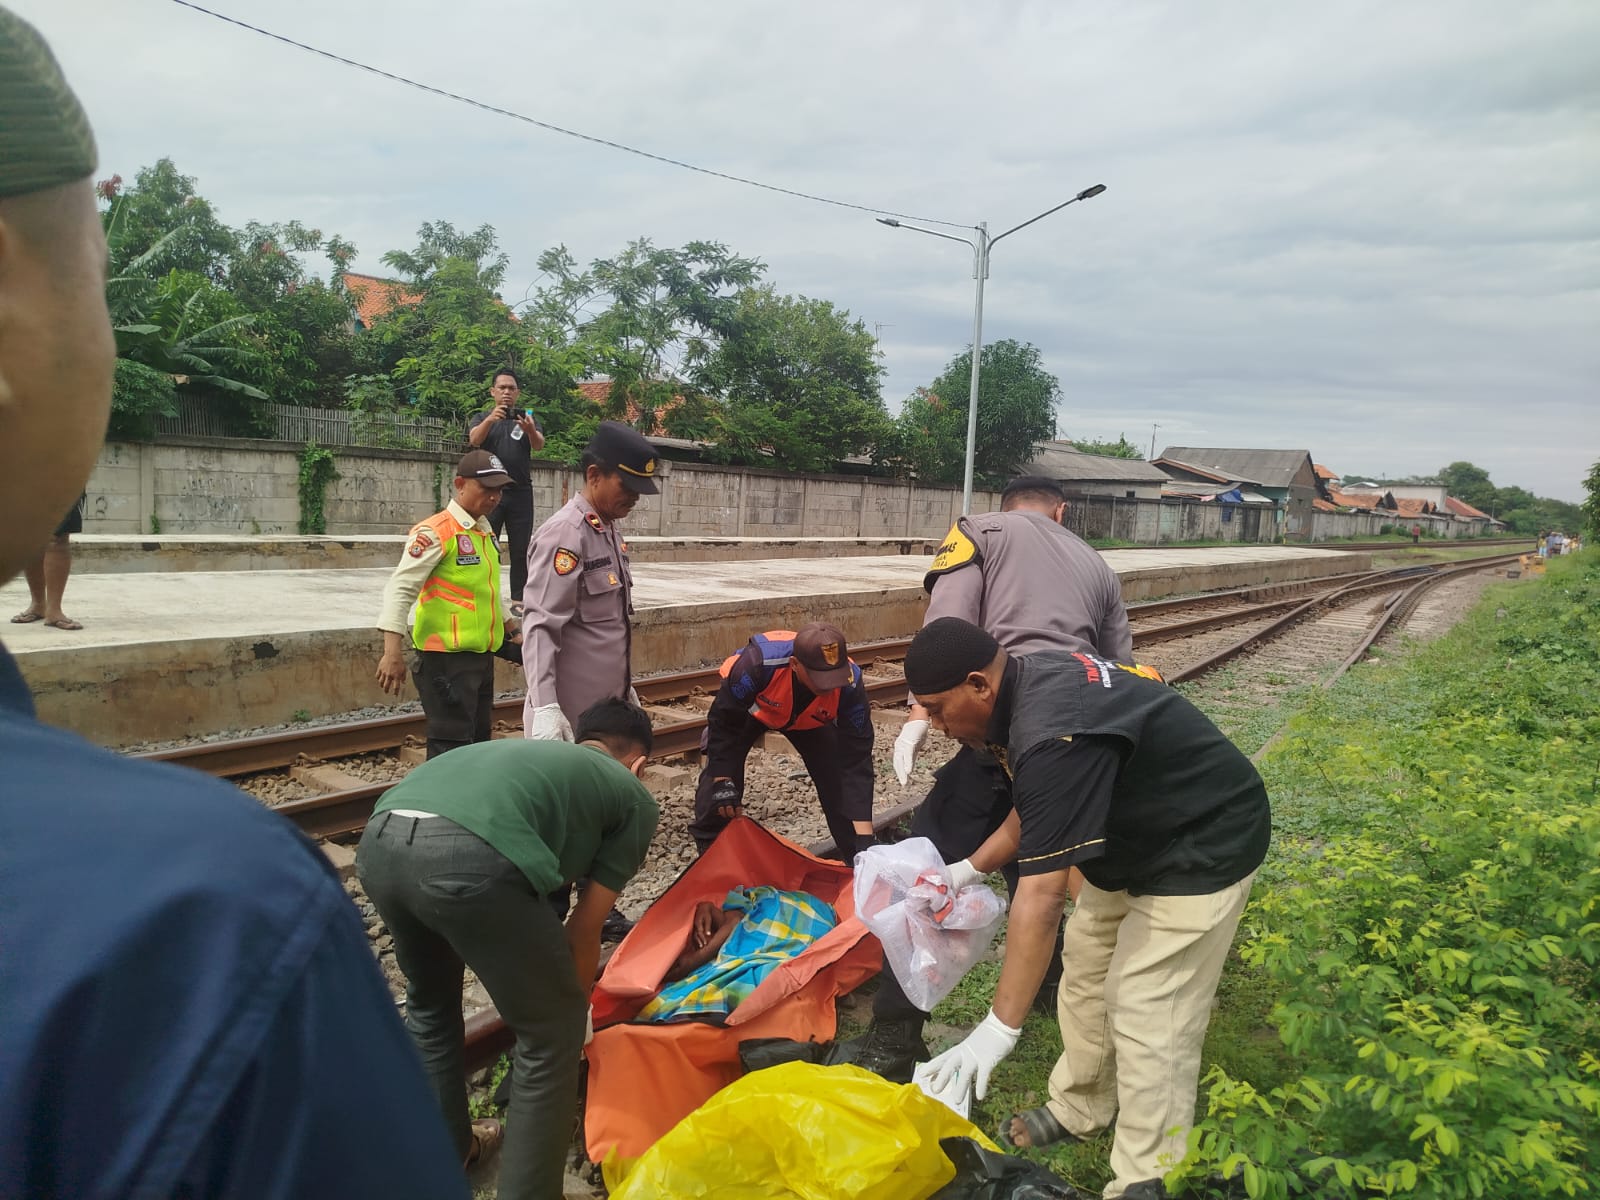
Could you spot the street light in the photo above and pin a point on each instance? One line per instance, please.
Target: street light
(980, 271)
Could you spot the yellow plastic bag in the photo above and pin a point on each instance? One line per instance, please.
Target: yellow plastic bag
(819, 1133)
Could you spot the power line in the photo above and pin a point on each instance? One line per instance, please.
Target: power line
(573, 133)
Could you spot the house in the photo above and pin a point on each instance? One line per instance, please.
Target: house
(1476, 517)
(1287, 477)
(372, 298)
(1083, 474)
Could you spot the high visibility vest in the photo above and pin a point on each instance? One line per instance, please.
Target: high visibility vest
(775, 700)
(459, 606)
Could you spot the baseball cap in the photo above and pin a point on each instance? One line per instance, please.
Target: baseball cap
(625, 448)
(820, 649)
(486, 468)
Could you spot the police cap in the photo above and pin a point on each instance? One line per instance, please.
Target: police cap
(624, 449)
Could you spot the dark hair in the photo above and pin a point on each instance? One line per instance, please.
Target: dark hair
(1032, 487)
(590, 459)
(618, 724)
(505, 371)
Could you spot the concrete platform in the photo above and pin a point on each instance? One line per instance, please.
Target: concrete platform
(118, 553)
(170, 654)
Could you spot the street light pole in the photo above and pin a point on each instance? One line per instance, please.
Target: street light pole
(981, 246)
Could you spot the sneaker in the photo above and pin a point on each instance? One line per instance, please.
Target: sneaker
(616, 927)
(889, 1048)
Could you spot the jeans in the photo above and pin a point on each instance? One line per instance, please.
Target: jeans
(450, 899)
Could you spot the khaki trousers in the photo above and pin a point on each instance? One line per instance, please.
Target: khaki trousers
(1139, 976)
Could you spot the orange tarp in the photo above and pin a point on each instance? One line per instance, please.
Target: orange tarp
(645, 1078)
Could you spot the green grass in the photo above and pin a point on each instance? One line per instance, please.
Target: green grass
(1339, 773)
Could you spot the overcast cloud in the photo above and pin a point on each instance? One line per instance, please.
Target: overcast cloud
(1365, 229)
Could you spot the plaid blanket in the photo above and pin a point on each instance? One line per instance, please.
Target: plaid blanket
(776, 926)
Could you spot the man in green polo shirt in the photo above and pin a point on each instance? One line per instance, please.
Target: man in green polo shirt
(459, 858)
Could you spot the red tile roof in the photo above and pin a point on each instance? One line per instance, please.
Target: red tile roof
(598, 392)
(375, 298)
(1414, 508)
(1323, 472)
(1363, 500)
(1322, 505)
(1465, 511)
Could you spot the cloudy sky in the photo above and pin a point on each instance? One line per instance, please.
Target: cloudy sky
(1362, 228)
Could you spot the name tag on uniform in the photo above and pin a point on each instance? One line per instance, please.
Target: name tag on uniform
(466, 551)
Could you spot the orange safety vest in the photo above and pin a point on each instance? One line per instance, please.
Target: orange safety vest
(458, 608)
(775, 700)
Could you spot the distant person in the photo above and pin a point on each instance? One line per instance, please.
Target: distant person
(1416, 534)
(511, 433)
(189, 1005)
(459, 859)
(450, 573)
(1031, 584)
(47, 575)
(803, 685)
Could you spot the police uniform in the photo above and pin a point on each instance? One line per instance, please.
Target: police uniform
(576, 633)
(831, 730)
(450, 571)
(1033, 586)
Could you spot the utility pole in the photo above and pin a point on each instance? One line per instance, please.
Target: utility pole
(1153, 428)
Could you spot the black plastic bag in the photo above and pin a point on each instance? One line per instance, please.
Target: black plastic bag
(982, 1174)
(758, 1053)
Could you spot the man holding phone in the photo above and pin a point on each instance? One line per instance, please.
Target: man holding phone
(511, 433)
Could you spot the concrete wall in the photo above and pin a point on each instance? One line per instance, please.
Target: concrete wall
(1150, 522)
(216, 485)
(1366, 524)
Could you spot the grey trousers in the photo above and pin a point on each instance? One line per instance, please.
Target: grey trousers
(449, 898)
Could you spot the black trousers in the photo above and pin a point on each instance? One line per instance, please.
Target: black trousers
(818, 749)
(450, 899)
(457, 692)
(513, 516)
(970, 799)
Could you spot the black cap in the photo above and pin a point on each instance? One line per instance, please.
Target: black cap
(625, 449)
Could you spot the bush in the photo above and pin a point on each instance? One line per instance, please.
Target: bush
(1436, 932)
(140, 394)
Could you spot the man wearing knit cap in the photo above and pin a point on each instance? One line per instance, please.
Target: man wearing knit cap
(1114, 773)
(803, 685)
(1020, 575)
(196, 1013)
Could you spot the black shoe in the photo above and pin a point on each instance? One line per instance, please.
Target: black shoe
(1146, 1189)
(615, 927)
(888, 1048)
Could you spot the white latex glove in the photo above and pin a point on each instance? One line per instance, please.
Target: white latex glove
(588, 1026)
(943, 885)
(963, 874)
(906, 747)
(550, 724)
(968, 1066)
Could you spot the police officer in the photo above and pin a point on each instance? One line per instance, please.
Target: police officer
(576, 633)
(1032, 585)
(450, 570)
(511, 433)
(803, 685)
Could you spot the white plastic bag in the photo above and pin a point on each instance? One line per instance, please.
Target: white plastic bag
(930, 939)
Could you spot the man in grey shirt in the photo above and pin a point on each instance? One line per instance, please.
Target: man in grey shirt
(1032, 585)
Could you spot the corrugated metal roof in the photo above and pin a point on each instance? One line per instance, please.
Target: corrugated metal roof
(1189, 468)
(1270, 468)
(1059, 460)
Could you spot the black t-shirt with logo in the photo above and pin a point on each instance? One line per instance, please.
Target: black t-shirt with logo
(509, 444)
(1115, 773)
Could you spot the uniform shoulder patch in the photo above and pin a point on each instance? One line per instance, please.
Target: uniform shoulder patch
(595, 522)
(566, 561)
(956, 551)
(422, 540)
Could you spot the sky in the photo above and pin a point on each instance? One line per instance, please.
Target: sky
(1367, 230)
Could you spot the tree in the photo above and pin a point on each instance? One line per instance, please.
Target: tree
(797, 378)
(1121, 448)
(162, 208)
(1468, 483)
(1016, 413)
(1591, 503)
(646, 315)
(440, 350)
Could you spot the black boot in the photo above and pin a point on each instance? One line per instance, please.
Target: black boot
(888, 1048)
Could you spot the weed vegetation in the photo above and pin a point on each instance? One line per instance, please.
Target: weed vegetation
(1414, 1005)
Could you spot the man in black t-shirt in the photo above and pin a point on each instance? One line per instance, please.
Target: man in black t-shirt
(512, 434)
(1116, 774)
